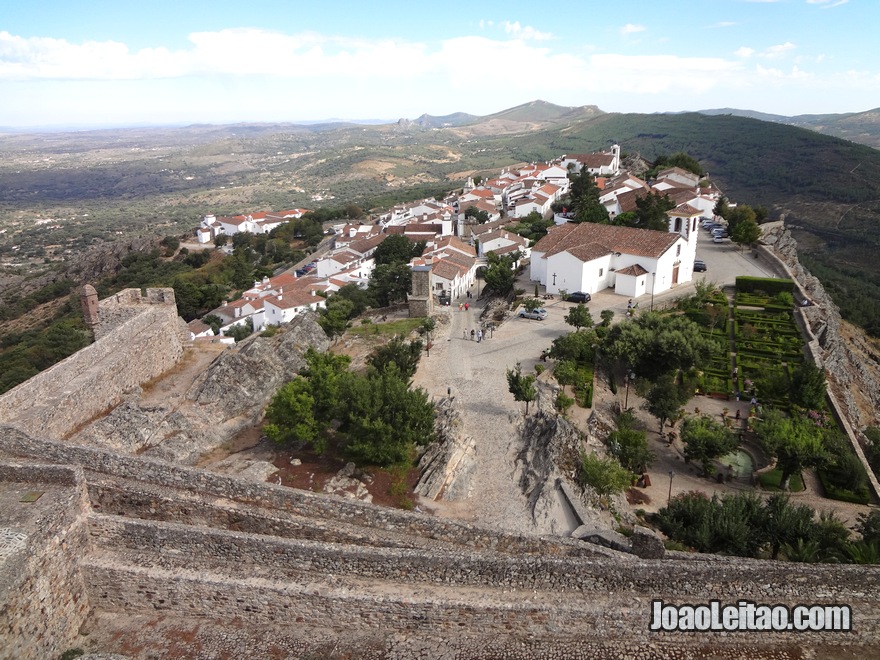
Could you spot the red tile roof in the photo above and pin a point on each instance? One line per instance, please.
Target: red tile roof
(635, 270)
(628, 240)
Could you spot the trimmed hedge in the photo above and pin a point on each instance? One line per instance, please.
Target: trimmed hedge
(769, 285)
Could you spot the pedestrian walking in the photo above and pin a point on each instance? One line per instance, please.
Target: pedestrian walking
(472, 334)
(479, 336)
(466, 307)
(464, 334)
(460, 306)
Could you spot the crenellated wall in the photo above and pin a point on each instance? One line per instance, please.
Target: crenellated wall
(139, 339)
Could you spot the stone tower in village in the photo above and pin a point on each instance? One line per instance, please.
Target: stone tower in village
(421, 302)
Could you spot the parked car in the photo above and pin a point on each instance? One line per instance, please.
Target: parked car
(700, 266)
(300, 272)
(719, 231)
(538, 315)
(718, 239)
(579, 297)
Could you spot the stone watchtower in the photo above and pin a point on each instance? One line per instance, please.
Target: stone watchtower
(421, 302)
(88, 298)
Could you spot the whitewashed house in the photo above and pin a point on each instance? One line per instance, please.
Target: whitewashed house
(592, 257)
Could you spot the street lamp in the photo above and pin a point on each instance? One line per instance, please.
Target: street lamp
(669, 496)
(653, 281)
(630, 376)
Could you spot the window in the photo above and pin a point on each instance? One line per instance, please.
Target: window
(601, 272)
(678, 250)
(678, 225)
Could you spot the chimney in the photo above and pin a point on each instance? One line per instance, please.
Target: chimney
(314, 293)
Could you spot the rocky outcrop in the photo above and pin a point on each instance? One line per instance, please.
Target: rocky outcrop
(446, 464)
(549, 458)
(229, 397)
(242, 381)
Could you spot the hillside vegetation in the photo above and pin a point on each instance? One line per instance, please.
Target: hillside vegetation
(86, 187)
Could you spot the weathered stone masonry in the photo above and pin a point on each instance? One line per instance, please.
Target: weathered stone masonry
(166, 541)
(140, 338)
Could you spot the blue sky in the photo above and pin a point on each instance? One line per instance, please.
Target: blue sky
(96, 62)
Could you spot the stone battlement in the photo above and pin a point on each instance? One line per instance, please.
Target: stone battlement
(151, 539)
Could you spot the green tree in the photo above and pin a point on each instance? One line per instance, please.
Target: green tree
(391, 283)
(336, 319)
(579, 347)
(531, 304)
(584, 195)
(808, 386)
(630, 447)
(499, 273)
(402, 353)
(384, 418)
(579, 317)
(685, 162)
(795, 442)
(705, 440)
(291, 416)
(241, 331)
(607, 315)
(738, 215)
(785, 523)
(603, 475)
(722, 208)
(869, 526)
(326, 374)
(361, 299)
(664, 399)
(746, 233)
(397, 249)
(480, 216)
(565, 373)
(522, 387)
(654, 344)
(651, 210)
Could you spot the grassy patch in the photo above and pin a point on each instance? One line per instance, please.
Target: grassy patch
(400, 327)
(770, 481)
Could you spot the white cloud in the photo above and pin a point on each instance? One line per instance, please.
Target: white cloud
(778, 50)
(632, 28)
(827, 4)
(525, 32)
(723, 24)
(744, 52)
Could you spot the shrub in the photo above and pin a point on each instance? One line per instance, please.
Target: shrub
(563, 402)
(768, 285)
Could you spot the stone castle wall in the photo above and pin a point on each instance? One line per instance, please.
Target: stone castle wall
(448, 578)
(43, 598)
(140, 339)
(203, 485)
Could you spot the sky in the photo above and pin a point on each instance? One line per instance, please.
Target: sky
(70, 63)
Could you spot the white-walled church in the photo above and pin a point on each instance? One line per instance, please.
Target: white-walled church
(634, 262)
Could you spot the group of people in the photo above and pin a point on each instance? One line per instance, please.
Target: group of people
(474, 334)
(463, 307)
(630, 308)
